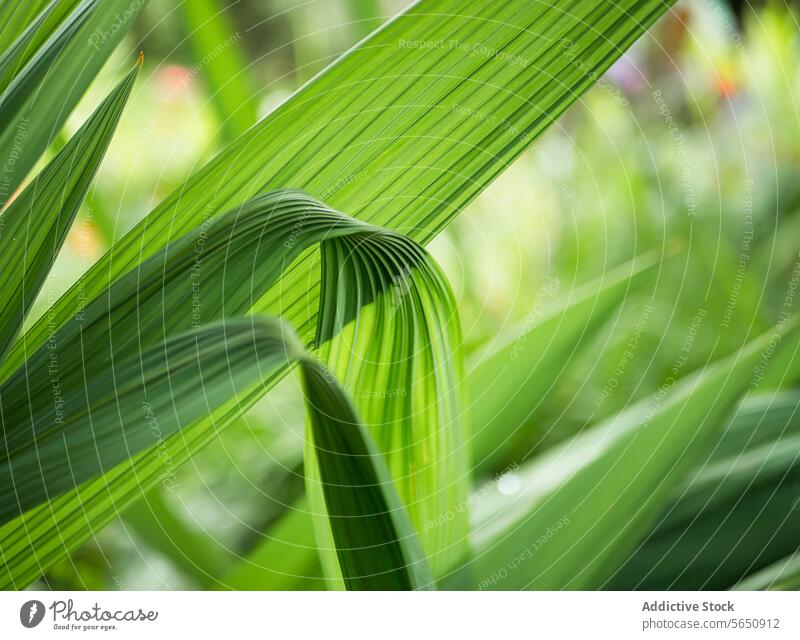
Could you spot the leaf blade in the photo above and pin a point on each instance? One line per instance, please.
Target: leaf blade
(35, 225)
(462, 119)
(534, 360)
(53, 81)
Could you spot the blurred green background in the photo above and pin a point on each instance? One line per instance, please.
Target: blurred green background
(688, 148)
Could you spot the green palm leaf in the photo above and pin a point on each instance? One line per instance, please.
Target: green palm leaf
(149, 396)
(216, 46)
(253, 244)
(784, 575)
(396, 132)
(16, 17)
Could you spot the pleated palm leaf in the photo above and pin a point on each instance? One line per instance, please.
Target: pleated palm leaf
(301, 245)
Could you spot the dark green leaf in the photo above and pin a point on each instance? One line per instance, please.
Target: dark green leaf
(586, 504)
(146, 398)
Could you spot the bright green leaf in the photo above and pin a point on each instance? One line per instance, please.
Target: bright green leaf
(397, 132)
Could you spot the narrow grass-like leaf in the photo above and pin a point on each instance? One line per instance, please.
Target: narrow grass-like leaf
(36, 224)
(721, 546)
(38, 100)
(215, 43)
(585, 505)
(734, 514)
(507, 386)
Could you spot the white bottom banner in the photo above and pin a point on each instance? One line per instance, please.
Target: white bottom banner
(156, 614)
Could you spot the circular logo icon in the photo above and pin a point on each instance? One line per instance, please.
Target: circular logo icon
(31, 613)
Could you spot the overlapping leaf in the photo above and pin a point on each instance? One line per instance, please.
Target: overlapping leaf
(35, 225)
(36, 103)
(375, 543)
(401, 362)
(90, 423)
(196, 280)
